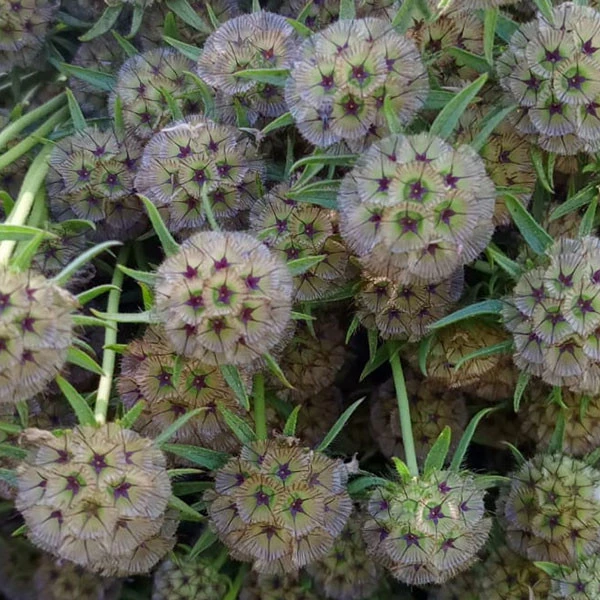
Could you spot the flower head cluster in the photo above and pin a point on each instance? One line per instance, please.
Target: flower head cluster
(551, 70)
(172, 386)
(554, 316)
(279, 505)
(275, 587)
(91, 177)
(427, 529)
(23, 27)
(345, 75)
(185, 579)
(193, 156)
(404, 311)
(224, 298)
(432, 408)
(299, 230)
(36, 331)
(347, 572)
(551, 510)
(146, 83)
(581, 582)
(415, 208)
(97, 497)
(507, 159)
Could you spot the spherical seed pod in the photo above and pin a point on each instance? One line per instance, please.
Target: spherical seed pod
(184, 579)
(195, 155)
(91, 177)
(347, 572)
(404, 311)
(427, 529)
(554, 316)
(580, 582)
(24, 26)
(97, 497)
(145, 84)
(275, 587)
(496, 384)
(172, 385)
(550, 70)
(278, 505)
(346, 73)
(416, 209)
(432, 407)
(36, 331)
(298, 230)
(551, 509)
(224, 298)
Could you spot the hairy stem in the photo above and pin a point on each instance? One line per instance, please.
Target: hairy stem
(404, 411)
(258, 397)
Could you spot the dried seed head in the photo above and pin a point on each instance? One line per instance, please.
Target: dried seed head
(193, 155)
(550, 70)
(345, 75)
(279, 506)
(432, 407)
(299, 230)
(428, 529)
(275, 587)
(184, 579)
(36, 331)
(415, 208)
(97, 497)
(551, 510)
(91, 177)
(347, 572)
(554, 316)
(580, 582)
(172, 385)
(224, 298)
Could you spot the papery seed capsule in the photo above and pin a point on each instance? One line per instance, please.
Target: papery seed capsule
(580, 582)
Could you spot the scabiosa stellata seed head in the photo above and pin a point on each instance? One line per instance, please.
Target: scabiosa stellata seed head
(185, 579)
(97, 497)
(36, 331)
(427, 529)
(91, 177)
(415, 208)
(193, 155)
(275, 587)
(345, 73)
(347, 572)
(579, 582)
(173, 385)
(403, 311)
(141, 83)
(550, 70)
(554, 316)
(551, 509)
(224, 298)
(432, 407)
(23, 26)
(279, 505)
(299, 230)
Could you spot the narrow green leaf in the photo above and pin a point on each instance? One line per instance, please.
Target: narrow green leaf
(276, 77)
(533, 233)
(297, 316)
(137, 16)
(65, 275)
(448, 118)
(505, 27)
(360, 484)
(558, 436)
(19, 531)
(522, 383)
(437, 99)
(25, 253)
(75, 111)
(347, 9)
(98, 79)
(170, 28)
(129, 419)
(240, 428)
(424, 349)
(500, 348)
(284, 120)
(354, 324)
(586, 227)
(232, 376)
(23, 410)
(380, 358)
(142, 317)
(592, 458)
(299, 266)
(290, 425)
(401, 469)
(170, 246)
(344, 160)
(298, 24)
(545, 7)
(186, 512)
(127, 47)
(486, 307)
(143, 276)
(174, 427)
(7, 202)
(87, 321)
(338, 426)
(402, 19)
(465, 440)
(275, 369)
(537, 158)
(19, 233)
(214, 21)
(314, 193)
(89, 295)
(464, 58)
(204, 542)
(78, 357)
(82, 410)
(436, 457)
(256, 6)
(174, 108)
(490, 19)
(10, 428)
(575, 202)
(192, 52)
(105, 23)
(391, 116)
(489, 124)
(186, 488)
(485, 482)
(10, 451)
(509, 266)
(208, 459)
(373, 341)
(553, 570)
(9, 476)
(188, 15)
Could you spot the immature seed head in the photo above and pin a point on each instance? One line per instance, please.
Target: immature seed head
(275, 587)
(580, 582)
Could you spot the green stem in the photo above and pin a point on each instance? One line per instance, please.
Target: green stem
(33, 138)
(210, 216)
(404, 411)
(236, 585)
(34, 179)
(260, 417)
(110, 338)
(12, 131)
(220, 559)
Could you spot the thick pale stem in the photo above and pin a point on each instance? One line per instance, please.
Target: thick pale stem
(110, 339)
(258, 397)
(34, 179)
(404, 412)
